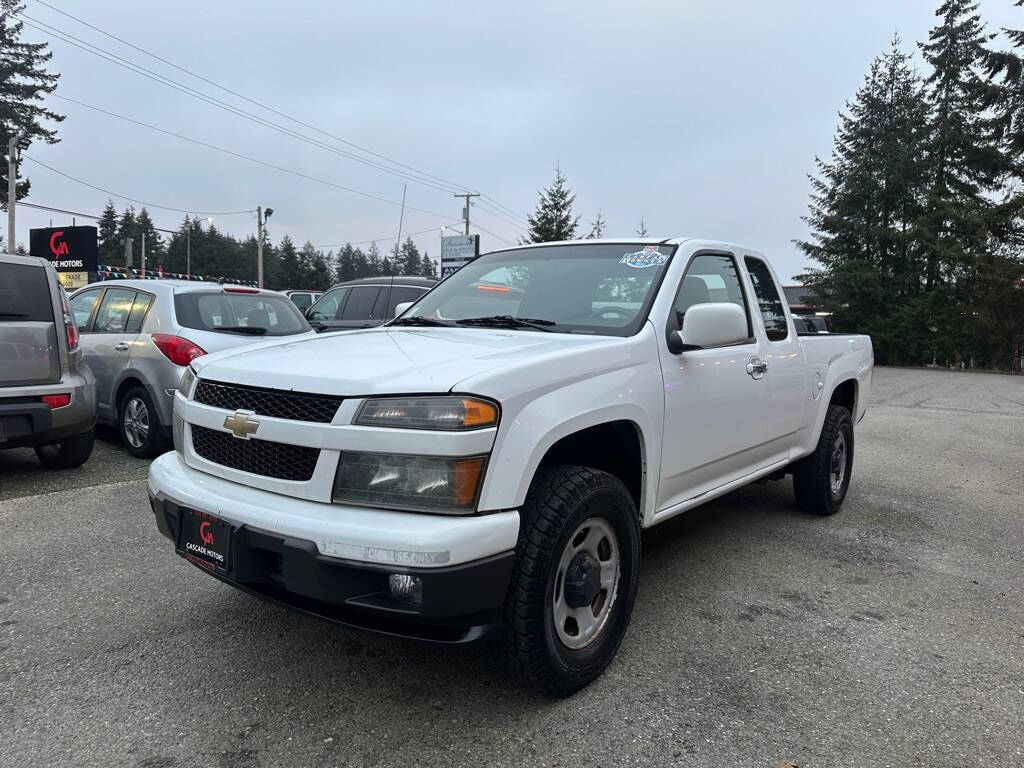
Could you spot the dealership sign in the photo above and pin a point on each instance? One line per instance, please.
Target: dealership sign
(457, 251)
(71, 250)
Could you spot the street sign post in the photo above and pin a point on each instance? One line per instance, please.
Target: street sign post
(457, 251)
(71, 250)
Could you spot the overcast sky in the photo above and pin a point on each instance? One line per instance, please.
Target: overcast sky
(701, 117)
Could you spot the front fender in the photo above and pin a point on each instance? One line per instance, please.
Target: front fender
(532, 425)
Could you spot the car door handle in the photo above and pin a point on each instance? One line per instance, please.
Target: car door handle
(122, 346)
(756, 367)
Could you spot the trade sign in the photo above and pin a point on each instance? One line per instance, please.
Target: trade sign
(457, 251)
(71, 250)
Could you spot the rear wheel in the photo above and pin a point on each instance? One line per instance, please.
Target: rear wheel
(574, 582)
(820, 481)
(140, 425)
(69, 452)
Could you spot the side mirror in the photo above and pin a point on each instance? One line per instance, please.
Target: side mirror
(715, 324)
(402, 306)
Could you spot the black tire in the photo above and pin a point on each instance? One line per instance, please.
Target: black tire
(70, 452)
(142, 444)
(562, 500)
(814, 475)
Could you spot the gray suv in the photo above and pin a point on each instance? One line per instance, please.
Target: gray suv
(47, 394)
(139, 335)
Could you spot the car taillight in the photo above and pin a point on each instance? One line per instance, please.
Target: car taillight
(58, 401)
(69, 321)
(176, 349)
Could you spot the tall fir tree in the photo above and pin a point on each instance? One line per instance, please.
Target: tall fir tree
(597, 227)
(288, 257)
(554, 218)
(110, 250)
(24, 83)
(125, 231)
(866, 205)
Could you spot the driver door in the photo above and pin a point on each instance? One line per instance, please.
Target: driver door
(714, 409)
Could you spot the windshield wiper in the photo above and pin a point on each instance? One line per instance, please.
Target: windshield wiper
(507, 321)
(421, 321)
(252, 330)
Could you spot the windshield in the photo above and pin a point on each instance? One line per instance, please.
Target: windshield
(242, 313)
(600, 289)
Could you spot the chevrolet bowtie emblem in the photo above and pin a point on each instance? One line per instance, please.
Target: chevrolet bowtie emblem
(242, 424)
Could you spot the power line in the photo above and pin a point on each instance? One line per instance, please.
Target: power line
(386, 239)
(240, 156)
(78, 213)
(253, 101)
(131, 199)
(292, 118)
(213, 101)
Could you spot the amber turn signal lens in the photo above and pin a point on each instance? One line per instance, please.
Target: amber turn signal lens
(467, 480)
(478, 413)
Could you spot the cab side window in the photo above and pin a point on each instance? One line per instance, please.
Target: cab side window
(326, 307)
(768, 301)
(81, 308)
(711, 277)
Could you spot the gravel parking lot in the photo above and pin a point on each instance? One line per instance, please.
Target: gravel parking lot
(889, 635)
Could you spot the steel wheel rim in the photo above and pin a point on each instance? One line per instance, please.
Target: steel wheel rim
(837, 465)
(579, 627)
(136, 422)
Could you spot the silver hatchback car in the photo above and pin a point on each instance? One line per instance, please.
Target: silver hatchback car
(139, 335)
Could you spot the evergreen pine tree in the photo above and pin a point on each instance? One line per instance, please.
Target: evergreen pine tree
(291, 271)
(24, 82)
(597, 227)
(553, 219)
(111, 251)
(428, 267)
(154, 244)
(865, 210)
(375, 263)
(125, 230)
(641, 231)
(345, 269)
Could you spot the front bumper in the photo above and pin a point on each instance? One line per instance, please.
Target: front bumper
(278, 556)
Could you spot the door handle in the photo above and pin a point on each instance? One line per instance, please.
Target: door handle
(121, 346)
(756, 367)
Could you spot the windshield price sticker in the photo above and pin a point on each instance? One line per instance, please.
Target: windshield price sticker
(648, 257)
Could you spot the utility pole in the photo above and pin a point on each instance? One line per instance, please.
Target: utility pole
(12, 186)
(188, 250)
(465, 211)
(143, 255)
(261, 219)
(259, 246)
(128, 252)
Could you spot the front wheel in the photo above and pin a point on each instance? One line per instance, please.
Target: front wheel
(140, 425)
(574, 582)
(820, 481)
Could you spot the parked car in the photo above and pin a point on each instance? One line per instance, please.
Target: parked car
(465, 473)
(303, 299)
(47, 394)
(361, 303)
(138, 336)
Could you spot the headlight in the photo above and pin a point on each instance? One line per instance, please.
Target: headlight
(447, 413)
(449, 485)
(188, 378)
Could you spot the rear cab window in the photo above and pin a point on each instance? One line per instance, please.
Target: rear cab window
(237, 312)
(24, 294)
(772, 311)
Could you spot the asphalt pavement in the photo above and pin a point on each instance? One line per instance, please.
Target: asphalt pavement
(889, 635)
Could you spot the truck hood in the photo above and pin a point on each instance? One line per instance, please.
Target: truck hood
(388, 360)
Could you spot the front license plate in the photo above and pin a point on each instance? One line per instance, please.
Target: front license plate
(205, 540)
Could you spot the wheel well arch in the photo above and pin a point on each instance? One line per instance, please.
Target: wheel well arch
(615, 447)
(128, 382)
(845, 394)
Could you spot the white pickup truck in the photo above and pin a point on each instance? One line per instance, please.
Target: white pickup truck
(482, 466)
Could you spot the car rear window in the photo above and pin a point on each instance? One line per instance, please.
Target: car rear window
(212, 311)
(24, 294)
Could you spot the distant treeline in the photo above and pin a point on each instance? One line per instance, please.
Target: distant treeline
(220, 254)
